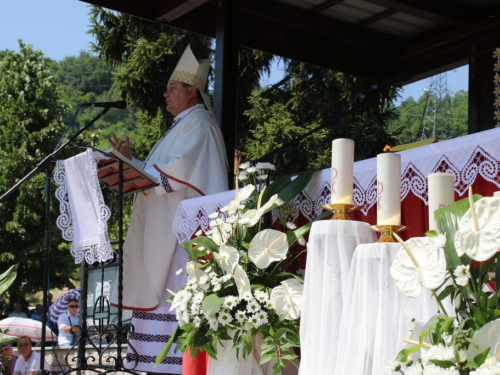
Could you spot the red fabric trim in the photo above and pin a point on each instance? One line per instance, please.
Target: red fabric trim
(134, 308)
(177, 180)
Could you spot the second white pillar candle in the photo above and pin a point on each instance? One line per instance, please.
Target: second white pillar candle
(388, 189)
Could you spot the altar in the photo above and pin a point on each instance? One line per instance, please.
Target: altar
(354, 314)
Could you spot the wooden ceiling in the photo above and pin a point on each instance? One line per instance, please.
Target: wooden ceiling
(373, 39)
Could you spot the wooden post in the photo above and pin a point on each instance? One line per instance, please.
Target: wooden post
(226, 75)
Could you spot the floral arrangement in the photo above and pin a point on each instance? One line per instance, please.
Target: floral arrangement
(238, 286)
(460, 265)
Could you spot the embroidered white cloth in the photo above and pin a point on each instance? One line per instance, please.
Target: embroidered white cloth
(466, 157)
(84, 214)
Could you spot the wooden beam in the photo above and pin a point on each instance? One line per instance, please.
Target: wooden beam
(435, 11)
(324, 6)
(376, 17)
(226, 76)
(474, 90)
(288, 18)
(171, 10)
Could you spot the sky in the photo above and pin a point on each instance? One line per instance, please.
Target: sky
(58, 28)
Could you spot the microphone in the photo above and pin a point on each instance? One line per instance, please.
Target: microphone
(119, 104)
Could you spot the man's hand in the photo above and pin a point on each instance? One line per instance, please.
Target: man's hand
(123, 147)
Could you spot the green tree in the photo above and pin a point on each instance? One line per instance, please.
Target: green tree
(311, 97)
(30, 124)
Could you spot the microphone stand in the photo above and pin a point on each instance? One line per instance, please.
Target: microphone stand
(48, 164)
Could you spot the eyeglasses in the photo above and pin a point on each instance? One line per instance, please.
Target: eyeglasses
(73, 306)
(23, 345)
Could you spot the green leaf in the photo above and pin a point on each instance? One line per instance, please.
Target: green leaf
(201, 338)
(443, 364)
(191, 247)
(431, 233)
(161, 356)
(6, 339)
(447, 219)
(481, 357)
(7, 278)
(287, 187)
(211, 304)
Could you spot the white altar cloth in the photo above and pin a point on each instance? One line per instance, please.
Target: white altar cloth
(376, 317)
(329, 253)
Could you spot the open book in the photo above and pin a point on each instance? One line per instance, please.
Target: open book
(135, 179)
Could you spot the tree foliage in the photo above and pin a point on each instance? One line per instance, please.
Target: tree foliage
(432, 117)
(31, 115)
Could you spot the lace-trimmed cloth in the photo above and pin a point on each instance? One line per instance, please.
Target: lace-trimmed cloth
(84, 214)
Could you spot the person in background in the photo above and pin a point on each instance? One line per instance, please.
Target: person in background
(28, 362)
(17, 313)
(38, 313)
(7, 351)
(66, 321)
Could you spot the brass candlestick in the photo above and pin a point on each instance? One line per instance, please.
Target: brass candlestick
(341, 210)
(387, 231)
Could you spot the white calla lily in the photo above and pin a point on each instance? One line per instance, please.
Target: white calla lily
(422, 264)
(242, 281)
(286, 298)
(268, 246)
(194, 270)
(227, 258)
(483, 242)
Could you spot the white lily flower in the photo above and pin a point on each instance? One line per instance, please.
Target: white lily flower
(286, 298)
(227, 258)
(483, 242)
(427, 268)
(244, 165)
(268, 246)
(242, 281)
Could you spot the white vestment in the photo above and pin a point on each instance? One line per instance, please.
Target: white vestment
(192, 157)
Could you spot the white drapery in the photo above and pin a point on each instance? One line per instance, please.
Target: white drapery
(84, 214)
(329, 253)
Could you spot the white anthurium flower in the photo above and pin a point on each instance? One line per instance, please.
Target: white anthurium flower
(286, 298)
(419, 262)
(227, 258)
(269, 203)
(194, 270)
(482, 242)
(242, 281)
(268, 246)
(246, 192)
(233, 206)
(252, 217)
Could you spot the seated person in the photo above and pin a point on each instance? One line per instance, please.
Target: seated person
(38, 313)
(28, 362)
(66, 321)
(17, 313)
(6, 351)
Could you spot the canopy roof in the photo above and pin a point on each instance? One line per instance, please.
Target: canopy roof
(373, 39)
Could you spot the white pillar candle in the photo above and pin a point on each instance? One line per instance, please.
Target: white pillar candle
(441, 194)
(342, 170)
(388, 189)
